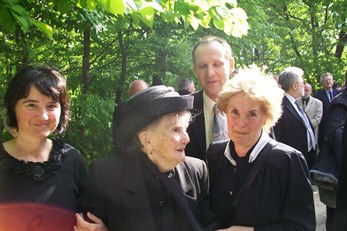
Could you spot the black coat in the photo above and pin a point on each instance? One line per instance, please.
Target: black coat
(278, 199)
(341, 199)
(117, 194)
(322, 96)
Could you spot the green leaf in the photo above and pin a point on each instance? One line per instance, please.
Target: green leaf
(91, 4)
(194, 22)
(44, 28)
(147, 16)
(205, 22)
(23, 21)
(130, 6)
(219, 24)
(62, 6)
(19, 10)
(6, 20)
(154, 5)
(168, 17)
(114, 6)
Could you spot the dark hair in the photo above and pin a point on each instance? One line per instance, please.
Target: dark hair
(49, 81)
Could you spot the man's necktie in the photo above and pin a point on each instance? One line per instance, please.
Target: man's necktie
(312, 139)
(219, 127)
(330, 96)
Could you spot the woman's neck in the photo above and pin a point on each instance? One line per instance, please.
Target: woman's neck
(33, 150)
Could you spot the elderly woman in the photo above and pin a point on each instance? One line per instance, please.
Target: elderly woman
(150, 184)
(256, 182)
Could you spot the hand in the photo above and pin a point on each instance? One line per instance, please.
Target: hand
(237, 228)
(83, 225)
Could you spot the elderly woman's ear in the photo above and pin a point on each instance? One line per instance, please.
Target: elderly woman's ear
(145, 141)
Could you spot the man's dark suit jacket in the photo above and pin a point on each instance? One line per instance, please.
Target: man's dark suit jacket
(196, 130)
(116, 193)
(322, 96)
(290, 129)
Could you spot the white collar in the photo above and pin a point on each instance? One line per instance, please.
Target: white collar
(264, 139)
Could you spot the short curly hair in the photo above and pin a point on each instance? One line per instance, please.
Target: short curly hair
(259, 87)
(49, 81)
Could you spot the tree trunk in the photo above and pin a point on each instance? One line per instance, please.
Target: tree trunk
(124, 55)
(86, 59)
(340, 44)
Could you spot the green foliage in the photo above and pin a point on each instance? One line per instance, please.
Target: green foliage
(225, 14)
(90, 128)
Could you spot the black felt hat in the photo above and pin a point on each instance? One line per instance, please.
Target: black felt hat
(147, 106)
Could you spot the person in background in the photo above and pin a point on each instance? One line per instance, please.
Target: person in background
(312, 106)
(326, 95)
(335, 118)
(134, 87)
(257, 183)
(186, 87)
(213, 64)
(294, 127)
(151, 185)
(35, 167)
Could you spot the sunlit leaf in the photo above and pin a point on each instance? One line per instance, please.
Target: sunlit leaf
(194, 22)
(91, 4)
(44, 28)
(154, 5)
(130, 6)
(147, 16)
(114, 6)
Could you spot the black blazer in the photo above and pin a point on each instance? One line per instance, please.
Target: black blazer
(290, 129)
(116, 193)
(278, 199)
(322, 96)
(196, 129)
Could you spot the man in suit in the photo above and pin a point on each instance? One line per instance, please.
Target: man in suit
(294, 127)
(151, 185)
(326, 94)
(213, 64)
(312, 106)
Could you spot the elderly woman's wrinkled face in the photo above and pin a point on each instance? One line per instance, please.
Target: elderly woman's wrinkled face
(245, 120)
(164, 142)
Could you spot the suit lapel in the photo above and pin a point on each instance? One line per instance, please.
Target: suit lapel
(310, 105)
(198, 127)
(136, 202)
(292, 110)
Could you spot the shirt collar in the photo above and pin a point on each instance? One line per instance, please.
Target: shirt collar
(208, 103)
(290, 98)
(264, 139)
